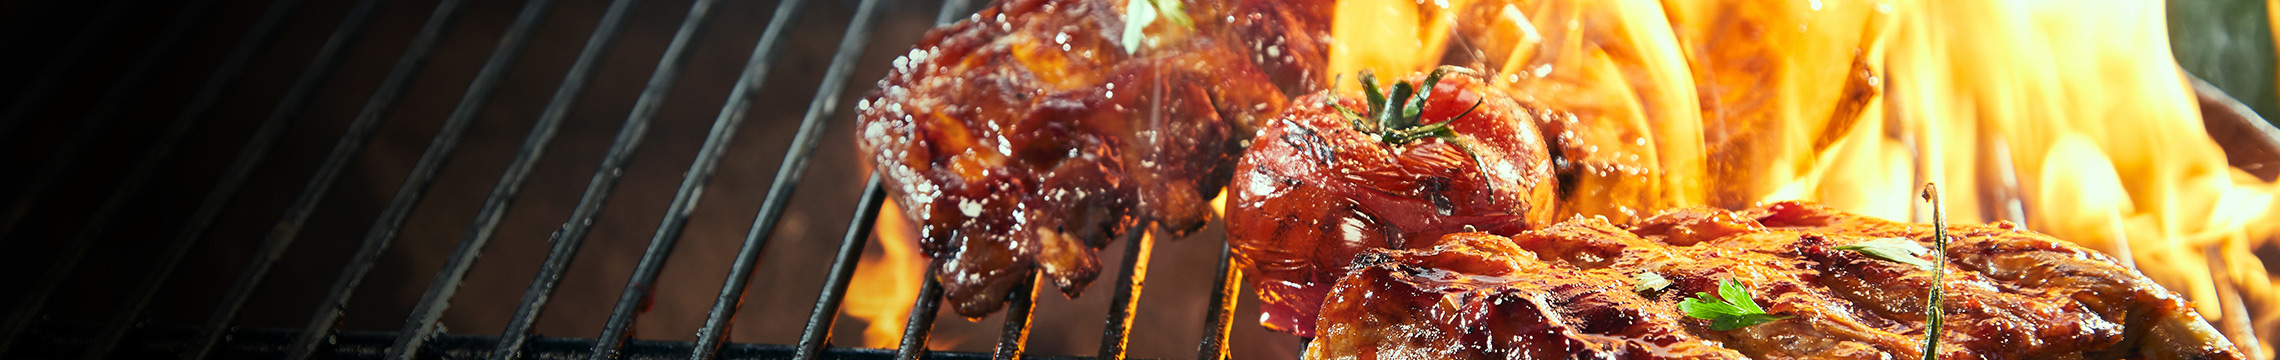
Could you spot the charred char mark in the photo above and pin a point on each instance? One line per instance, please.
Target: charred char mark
(1563, 169)
(1309, 141)
(1436, 188)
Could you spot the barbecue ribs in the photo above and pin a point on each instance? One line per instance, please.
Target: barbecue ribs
(1031, 134)
(1577, 290)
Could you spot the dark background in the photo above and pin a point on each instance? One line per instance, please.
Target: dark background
(1171, 311)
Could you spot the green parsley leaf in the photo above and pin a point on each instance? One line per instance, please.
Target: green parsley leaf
(1171, 10)
(1731, 309)
(1649, 281)
(1893, 249)
(1139, 13)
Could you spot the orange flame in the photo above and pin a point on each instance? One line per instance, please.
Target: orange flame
(2066, 115)
(885, 285)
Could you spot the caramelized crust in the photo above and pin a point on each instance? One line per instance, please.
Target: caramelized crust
(1313, 191)
(1030, 135)
(1570, 291)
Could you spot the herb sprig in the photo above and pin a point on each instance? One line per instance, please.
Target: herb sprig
(1932, 312)
(1395, 118)
(1139, 13)
(1892, 249)
(1731, 309)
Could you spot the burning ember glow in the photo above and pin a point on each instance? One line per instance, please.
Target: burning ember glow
(2069, 116)
(885, 285)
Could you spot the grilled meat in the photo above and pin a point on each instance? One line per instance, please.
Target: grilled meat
(1321, 185)
(1574, 290)
(1031, 134)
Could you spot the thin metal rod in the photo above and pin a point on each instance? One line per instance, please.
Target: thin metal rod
(1017, 315)
(817, 336)
(260, 343)
(572, 235)
(44, 82)
(619, 325)
(951, 11)
(113, 100)
(108, 107)
(145, 169)
(1219, 319)
(288, 226)
(421, 324)
(1128, 284)
(423, 173)
(818, 332)
(921, 321)
(788, 174)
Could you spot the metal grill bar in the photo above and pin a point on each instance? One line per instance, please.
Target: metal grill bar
(618, 327)
(351, 142)
(573, 233)
(423, 173)
(951, 11)
(161, 341)
(922, 314)
(818, 331)
(42, 84)
(422, 322)
(420, 330)
(1120, 308)
(1220, 311)
(817, 335)
(1015, 336)
(788, 174)
(145, 168)
(693, 181)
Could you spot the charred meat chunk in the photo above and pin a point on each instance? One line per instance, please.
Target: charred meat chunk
(1346, 171)
(1028, 136)
(1585, 288)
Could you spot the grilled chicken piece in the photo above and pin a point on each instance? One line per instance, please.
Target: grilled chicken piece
(1033, 133)
(1574, 290)
(1321, 185)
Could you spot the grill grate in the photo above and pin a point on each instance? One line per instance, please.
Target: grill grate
(421, 335)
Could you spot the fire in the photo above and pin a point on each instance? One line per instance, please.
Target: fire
(2068, 116)
(886, 285)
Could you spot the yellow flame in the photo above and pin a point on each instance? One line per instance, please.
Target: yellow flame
(1391, 42)
(885, 286)
(2066, 115)
(1219, 203)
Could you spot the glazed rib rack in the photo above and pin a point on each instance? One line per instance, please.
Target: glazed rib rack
(25, 332)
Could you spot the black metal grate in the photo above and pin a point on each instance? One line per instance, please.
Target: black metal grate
(421, 336)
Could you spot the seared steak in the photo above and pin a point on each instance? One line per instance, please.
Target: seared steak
(1583, 289)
